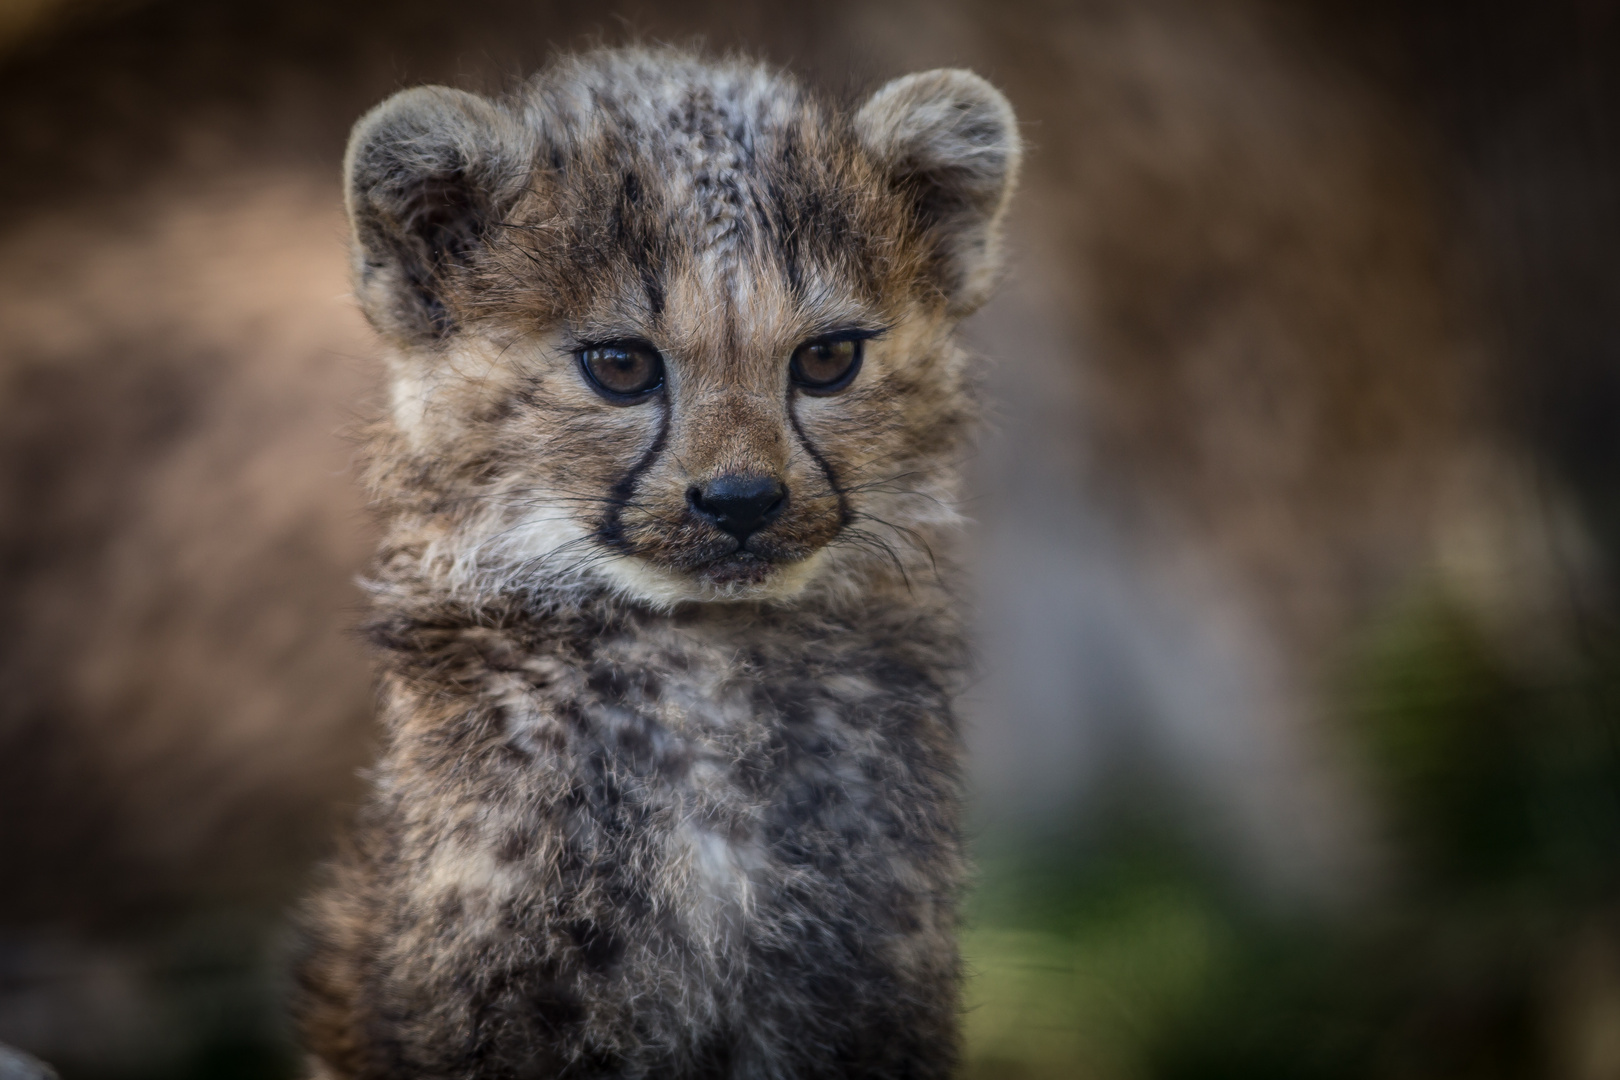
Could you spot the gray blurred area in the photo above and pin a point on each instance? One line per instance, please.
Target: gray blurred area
(1310, 311)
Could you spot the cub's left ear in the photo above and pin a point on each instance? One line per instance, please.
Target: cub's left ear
(950, 141)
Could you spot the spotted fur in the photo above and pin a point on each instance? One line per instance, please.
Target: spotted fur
(653, 802)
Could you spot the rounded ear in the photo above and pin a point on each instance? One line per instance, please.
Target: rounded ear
(426, 174)
(951, 139)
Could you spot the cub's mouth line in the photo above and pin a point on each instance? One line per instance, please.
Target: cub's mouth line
(739, 567)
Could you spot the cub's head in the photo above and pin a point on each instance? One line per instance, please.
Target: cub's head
(675, 329)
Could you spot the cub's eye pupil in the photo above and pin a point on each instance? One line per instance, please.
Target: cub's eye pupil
(621, 371)
(826, 366)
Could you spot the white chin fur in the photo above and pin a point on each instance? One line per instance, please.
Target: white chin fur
(656, 587)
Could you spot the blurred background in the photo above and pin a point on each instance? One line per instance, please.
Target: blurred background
(1296, 729)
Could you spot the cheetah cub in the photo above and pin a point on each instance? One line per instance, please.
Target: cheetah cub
(670, 778)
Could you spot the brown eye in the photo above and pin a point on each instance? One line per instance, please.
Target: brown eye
(826, 365)
(623, 372)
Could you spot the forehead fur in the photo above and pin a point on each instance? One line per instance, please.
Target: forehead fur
(653, 167)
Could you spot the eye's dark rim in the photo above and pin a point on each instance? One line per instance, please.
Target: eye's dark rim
(858, 336)
(617, 397)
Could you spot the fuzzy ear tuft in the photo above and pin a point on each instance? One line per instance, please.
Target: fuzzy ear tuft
(426, 174)
(951, 139)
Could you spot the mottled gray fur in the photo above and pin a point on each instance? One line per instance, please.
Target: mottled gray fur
(654, 800)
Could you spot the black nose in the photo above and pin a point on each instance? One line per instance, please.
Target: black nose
(739, 504)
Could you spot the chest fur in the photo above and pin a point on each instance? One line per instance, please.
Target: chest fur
(699, 783)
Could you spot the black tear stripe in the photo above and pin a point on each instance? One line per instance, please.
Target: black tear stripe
(844, 514)
(611, 531)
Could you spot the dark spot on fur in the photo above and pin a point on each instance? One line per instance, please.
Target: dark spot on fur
(501, 409)
(654, 289)
(519, 1014)
(514, 846)
(652, 688)
(607, 681)
(634, 744)
(598, 947)
(449, 911)
(514, 754)
(570, 713)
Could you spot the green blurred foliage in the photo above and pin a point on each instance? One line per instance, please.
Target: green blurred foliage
(1492, 952)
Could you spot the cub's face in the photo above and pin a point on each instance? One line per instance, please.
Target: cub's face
(727, 447)
(677, 329)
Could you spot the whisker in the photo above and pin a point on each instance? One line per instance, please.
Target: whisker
(915, 538)
(865, 540)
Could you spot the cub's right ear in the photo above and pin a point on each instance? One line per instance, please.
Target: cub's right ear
(427, 174)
